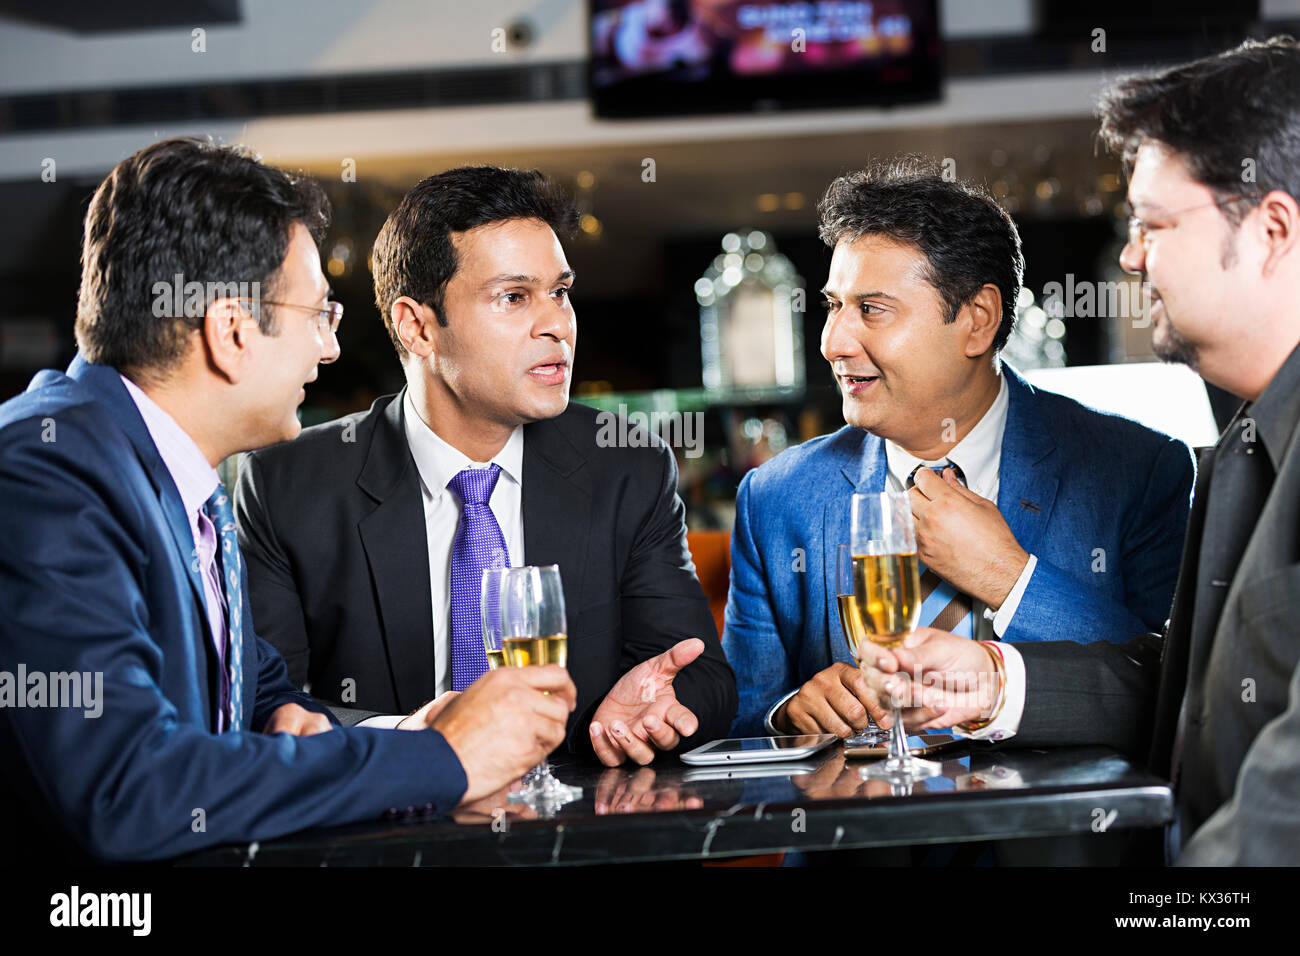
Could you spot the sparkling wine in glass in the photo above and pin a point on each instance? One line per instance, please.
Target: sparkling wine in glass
(887, 584)
(491, 612)
(855, 632)
(533, 633)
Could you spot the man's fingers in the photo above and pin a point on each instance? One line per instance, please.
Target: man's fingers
(679, 655)
(635, 748)
(606, 752)
(661, 734)
(827, 719)
(844, 701)
(547, 677)
(682, 720)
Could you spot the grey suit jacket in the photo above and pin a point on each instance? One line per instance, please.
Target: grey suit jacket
(1229, 660)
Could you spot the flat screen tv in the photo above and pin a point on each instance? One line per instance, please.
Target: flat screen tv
(671, 57)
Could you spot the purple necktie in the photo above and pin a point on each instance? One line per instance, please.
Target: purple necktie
(479, 544)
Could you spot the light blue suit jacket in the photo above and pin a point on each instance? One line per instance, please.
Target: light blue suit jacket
(1101, 500)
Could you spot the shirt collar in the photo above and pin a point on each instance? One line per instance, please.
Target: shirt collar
(438, 463)
(978, 454)
(1277, 410)
(195, 478)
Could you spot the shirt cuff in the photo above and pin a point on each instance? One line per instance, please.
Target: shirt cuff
(1013, 706)
(771, 712)
(1002, 617)
(382, 721)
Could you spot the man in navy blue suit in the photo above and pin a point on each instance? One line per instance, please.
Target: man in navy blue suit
(202, 314)
(1036, 518)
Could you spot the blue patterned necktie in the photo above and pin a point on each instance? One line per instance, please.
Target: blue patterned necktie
(942, 605)
(479, 544)
(219, 512)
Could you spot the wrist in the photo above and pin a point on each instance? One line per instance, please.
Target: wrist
(996, 693)
(1007, 573)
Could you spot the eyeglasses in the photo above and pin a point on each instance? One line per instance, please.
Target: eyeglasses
(327, 318)
(1139, 231)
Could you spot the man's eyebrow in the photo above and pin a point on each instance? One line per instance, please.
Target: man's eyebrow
(862, 296)
(525, 279)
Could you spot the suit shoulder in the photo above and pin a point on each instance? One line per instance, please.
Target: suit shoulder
(1093, 431)
(52, 412)
(627, 440)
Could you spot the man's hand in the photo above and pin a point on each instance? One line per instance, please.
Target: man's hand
(836, 701)
(505, 723)
(641, 712)
(424, 717)
(964, 539)
(937, 678)
(297, 720)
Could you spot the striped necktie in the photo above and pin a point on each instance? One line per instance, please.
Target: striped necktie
(943, 606)
(219, 512)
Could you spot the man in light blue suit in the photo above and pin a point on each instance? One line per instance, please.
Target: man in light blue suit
(140, 714)
(1083, 541)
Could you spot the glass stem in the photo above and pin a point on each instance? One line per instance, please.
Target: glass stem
(897, 738)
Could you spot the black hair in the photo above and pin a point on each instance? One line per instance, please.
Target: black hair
(968, 239)
(414, 255)
(213, 214)
(1232, 117)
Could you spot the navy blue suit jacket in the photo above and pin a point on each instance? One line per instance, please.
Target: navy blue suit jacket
(1102, 501)
(98, 575)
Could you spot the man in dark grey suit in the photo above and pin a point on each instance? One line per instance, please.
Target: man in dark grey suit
(1215, 189)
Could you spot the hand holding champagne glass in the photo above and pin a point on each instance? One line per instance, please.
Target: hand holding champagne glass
(887, 584)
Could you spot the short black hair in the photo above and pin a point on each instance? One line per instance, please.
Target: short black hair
(214, 214)
(414, 255)
(1216, 113)
(967, 238)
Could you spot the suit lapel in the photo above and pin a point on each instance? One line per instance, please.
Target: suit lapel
(555, 501)
(1029, 474)
(396, 547)
(864, 471)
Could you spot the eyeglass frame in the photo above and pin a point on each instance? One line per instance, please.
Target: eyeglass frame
(1138, 234)
(332, 308)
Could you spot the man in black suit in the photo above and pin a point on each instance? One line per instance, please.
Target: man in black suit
(1215, 190)
(358, 534)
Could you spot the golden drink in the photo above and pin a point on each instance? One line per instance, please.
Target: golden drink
(851, 622)
(526, 651)
(889, 595)
(496, 658)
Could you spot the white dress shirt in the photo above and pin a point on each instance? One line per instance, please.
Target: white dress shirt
(437, 463)
(979, 456)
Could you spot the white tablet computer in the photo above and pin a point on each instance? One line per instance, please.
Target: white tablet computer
(758, 749)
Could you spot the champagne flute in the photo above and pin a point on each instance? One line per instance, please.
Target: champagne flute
(855, 631)
(534, 632)
(491, 611)
(887, 584)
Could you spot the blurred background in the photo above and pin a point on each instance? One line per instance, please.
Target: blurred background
(696, 137)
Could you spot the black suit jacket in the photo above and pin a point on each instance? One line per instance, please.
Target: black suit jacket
(332, 530)
(1230, 657)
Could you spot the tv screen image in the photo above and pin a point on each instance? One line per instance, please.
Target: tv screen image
(656, 57)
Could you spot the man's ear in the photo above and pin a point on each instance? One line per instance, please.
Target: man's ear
(416, 325)
(984, 313)
(226, 335)
(1279, 220)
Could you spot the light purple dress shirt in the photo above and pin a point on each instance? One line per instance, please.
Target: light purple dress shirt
(195, 480)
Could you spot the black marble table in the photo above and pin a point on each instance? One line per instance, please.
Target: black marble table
(670, 811)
